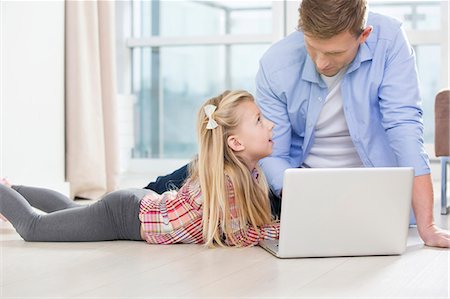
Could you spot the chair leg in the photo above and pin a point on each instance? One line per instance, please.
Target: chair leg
(444, 163)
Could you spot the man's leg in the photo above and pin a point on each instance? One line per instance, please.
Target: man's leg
(275, 204)
(171, 181)
(176, 179)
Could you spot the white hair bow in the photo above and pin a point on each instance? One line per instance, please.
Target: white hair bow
(209, 109)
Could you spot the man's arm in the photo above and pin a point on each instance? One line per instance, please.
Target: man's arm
(423, 210)
(401, 110)
(274, 109)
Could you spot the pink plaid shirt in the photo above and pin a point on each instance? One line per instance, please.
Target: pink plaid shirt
(176, 217)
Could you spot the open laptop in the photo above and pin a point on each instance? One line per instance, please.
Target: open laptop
(343, 212)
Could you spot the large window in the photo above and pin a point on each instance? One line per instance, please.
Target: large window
(184, 52)
(179, 53)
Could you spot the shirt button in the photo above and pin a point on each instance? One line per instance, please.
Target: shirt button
(320, 99)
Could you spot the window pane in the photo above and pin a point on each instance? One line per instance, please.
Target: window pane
(244, 65)
(184, 18)
(413, 14)
(166, 112)
(188, 18)
(429, 66)
(189, 76)
(251, 21)
(145, 110)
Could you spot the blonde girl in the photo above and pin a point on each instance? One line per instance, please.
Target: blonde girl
(224, 201)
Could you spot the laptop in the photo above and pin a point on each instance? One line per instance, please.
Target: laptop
(329, 212)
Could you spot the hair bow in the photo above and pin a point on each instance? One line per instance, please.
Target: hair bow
(209, 109)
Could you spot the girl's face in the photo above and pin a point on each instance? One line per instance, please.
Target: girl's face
(252, 139)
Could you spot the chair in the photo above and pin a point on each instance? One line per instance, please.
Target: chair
(442, 140)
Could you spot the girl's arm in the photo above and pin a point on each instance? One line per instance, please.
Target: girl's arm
(247, 235)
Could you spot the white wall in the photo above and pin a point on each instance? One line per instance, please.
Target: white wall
(32, 93)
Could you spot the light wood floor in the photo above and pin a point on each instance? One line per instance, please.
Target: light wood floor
(126, 269)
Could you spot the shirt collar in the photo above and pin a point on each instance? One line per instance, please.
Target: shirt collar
(364, 54)
(312, 75)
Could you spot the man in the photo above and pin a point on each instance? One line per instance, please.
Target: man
(343, 92)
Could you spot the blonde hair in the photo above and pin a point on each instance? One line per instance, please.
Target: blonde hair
(325, 18)
(216, 164)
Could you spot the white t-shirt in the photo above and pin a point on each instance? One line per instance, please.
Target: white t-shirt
(333, 146)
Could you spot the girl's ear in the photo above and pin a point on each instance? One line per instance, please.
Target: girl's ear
(234, 143)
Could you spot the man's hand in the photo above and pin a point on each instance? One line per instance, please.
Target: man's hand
(423, 210)
(434, 236)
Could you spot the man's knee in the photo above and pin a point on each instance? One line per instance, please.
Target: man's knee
(171, 181)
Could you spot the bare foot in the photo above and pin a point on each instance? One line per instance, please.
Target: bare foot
(6, 182)
(3, 218)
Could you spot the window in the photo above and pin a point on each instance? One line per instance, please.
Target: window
(175, 54)
(184, 52)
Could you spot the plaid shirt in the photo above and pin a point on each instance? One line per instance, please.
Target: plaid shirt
(176, 217)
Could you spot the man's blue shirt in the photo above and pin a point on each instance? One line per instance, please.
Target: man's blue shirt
(380, 93)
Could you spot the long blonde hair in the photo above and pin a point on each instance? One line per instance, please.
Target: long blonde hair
(216, 164)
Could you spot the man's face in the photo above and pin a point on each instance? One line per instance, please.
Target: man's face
(332, 54)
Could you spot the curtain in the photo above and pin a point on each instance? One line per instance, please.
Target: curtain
(92, 151)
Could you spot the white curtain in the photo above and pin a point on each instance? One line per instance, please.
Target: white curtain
(92, 158)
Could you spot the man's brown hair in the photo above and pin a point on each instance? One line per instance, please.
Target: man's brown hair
(325, 18)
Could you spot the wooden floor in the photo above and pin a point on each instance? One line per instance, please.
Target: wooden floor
(127, 269)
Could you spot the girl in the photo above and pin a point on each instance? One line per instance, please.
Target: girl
(224, 201)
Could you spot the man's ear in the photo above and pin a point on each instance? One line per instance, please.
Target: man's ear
(235, 144)
(365, 34)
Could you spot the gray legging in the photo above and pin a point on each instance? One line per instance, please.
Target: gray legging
(115, 217)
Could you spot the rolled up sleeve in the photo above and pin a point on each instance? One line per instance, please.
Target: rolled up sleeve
(400, 106)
